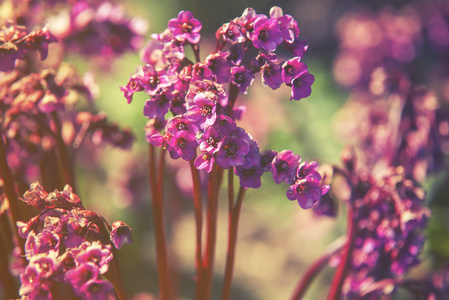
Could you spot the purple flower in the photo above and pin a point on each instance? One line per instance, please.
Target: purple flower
(211, 140)
(284, 166)
(236, 54)
(230, 32)
(266, 159)
(291, 69)
(48, 242)
(288, 26)
(180, 123)
(306, 191)
(204, 161)
(302, 86)
(253, 157)
(96, 253)
(232, 152)
(202, 111)
(242, 77)
(198, 71)
(257, 62)
(185, 27)
(183, 144)
(308, 169)
(81, 275)
(271, 75)
(298, 47)
(152, 80)
(267, 34)
(104, 30)
(246, 21)
(120, 234)
(249, 178)
(29, 280)
(225, 125)
(130, 88)
(15, 42)
(158, 106)
(214, 91)
(219, 64)
(98, 290)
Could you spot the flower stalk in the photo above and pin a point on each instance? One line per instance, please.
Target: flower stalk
(157, 203)
(232, 243)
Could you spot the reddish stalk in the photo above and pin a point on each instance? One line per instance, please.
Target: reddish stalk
(197, 204)
(7, 281)
(64, 156)
(9, 188)
(233, 93)
(212, 211)
(340, 274)
(156, 200)
(314, 269)
(232, 243)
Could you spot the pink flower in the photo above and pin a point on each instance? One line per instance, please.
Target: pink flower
(185, 27)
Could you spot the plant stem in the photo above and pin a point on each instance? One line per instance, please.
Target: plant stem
(232, 243)
(9, 189)
(340, 274)
(7, 281)
(64, 156)
(156, 200)
(233, 93)
(314, 269)
(196, 52)
(197, 203)
(212, 211)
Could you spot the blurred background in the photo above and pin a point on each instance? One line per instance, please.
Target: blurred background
(277, 239)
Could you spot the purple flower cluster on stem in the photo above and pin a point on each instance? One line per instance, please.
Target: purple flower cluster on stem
(203, 129)
(69, 244)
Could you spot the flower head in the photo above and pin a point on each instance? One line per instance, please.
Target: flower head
(267, 34)
(185, 27)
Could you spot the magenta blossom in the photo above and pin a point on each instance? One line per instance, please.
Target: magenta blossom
(120, 234)
(271, 75)
(204, 161)
(232, 152)
(302, 86)
(289, 27)
(185, 27)
(183, 144)
(242, 77)
(249, 178)
(267, 34)
(284, 166)
(306, 191)
(292, 68)
(202, 111)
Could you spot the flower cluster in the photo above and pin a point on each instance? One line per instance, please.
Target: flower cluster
(389, 218)
(31, 107)
(16, 41)
(67, 243)
(205, 114)
(98, 29)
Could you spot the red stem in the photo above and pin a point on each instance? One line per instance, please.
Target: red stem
(232, 243)
(64, 156)
(9, 189)
(212, 211)
(340, 274)
(233, 93)
(156, 200)
(197, 203)
(7, 281)
(313, 270)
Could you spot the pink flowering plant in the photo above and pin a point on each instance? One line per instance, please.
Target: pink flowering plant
(54, 245)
